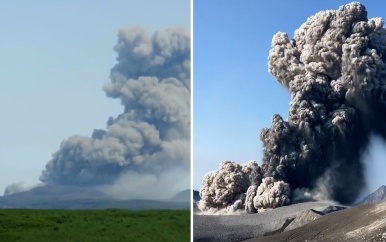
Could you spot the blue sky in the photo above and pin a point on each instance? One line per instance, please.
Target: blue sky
(234, 95)
(55, 56)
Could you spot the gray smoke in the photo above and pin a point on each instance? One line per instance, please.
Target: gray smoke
(18, 187)
(334, 69)
(271, 194)
(224, 189)
(152, 135)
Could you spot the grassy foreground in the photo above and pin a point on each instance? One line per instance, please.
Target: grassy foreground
(94, 225)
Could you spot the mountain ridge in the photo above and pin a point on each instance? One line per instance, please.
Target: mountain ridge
(70, 197)
(378, 196)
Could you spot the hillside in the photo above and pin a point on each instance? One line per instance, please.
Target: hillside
(358, 224)
(376, 197)
(68, 197)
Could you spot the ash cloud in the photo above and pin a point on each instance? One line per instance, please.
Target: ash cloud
(18, 187)
(152, 135)
(134, 185)
(334, 69)
(223, 190)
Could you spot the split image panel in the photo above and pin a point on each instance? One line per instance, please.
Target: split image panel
(96, 130)
(288, 120)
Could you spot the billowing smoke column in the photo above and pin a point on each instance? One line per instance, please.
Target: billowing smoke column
(334, 68)
(225, 188)
(234, 187)
(152, 81)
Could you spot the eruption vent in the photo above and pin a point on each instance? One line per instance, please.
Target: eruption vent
(334, 69)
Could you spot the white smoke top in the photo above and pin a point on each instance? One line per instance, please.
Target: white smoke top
(223, 190)
(334, 68)
(271, 194)
(235, 188)
(152, 135)
(18, 187)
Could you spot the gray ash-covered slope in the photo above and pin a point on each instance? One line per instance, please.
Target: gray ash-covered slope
(311, 215)
(232, 228)
(335, 70)
(365, 223)
(302, 219)
(376, 197)
(75, 197)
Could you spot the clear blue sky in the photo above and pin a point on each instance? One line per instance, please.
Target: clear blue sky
(55, 56)
(234, 95)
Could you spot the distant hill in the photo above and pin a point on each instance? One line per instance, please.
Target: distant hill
(69, 197)
(183, 196)
(376, 197)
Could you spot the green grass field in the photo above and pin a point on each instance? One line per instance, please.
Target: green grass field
(94, 225)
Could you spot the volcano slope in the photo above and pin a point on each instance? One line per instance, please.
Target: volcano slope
(363, 223)
(73, 197)
(240, 227)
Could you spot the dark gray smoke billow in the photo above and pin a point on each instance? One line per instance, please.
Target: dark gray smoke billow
(335, 71)
(152, 135)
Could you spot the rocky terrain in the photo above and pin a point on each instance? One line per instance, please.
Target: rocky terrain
(376, 197)
(240, 227)
(362, 223)
(307, 221)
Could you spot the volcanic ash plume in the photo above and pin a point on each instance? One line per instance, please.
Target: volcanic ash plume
(235, 187)
(152, 135)
(17, 187)
(224, 190)
(271, 194)
(335, 71)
